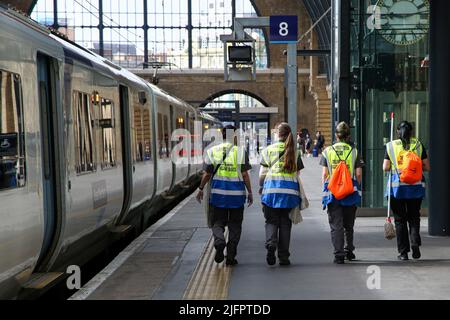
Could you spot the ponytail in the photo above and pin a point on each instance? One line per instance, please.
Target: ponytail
(289, 163)
(404, 131)
(285, 134)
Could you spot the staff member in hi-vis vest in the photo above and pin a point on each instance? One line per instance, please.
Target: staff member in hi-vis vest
(224, 163)
(406, 198)
(342, 212)
(280, 164)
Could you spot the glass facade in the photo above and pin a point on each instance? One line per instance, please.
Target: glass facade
(142, 33)
(389, 73)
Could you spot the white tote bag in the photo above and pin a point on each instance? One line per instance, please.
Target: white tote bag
(295, 215)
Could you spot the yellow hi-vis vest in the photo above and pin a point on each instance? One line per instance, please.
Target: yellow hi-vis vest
(280, 189)
(343, 152)
(401, 190)
(227, 188)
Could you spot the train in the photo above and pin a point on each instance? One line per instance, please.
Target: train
(84, 152)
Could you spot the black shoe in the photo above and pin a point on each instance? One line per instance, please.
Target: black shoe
(403, 257)
(416, 253)
(219, 255)
(271, 259)
(350, 256)
(231, 262)
(339, 260)
(284, 262)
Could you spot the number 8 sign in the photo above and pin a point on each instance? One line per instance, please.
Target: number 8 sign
(283, 29)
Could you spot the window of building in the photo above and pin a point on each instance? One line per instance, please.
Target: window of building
(83, 124)
(12, 146)
(167, 24)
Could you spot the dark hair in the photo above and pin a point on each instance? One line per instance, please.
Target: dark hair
(404, 131)
(343, 131)
(226, 128)
(285, 134)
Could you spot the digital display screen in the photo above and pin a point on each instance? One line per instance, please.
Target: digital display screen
(240, 54)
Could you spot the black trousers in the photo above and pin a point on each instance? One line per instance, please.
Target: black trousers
(407, 212)
(232, 218)
(342, 221)
(278, 230)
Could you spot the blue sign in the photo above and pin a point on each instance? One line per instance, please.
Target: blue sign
(283, 29)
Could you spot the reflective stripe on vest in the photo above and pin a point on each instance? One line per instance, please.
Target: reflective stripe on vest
(280, 189)
(401, 190)
(227, 189)
(333, 160)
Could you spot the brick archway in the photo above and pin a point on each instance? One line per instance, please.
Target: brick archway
(235, 91)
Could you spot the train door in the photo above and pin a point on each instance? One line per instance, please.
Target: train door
(128, 166)
(47, 86)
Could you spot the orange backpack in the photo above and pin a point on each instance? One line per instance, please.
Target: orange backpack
(411, 165)
(341, 183)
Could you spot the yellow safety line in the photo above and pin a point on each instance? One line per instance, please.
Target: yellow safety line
(210, 281)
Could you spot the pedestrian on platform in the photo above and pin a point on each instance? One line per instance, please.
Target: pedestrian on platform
(342, 211)
(406, 194)
(227, 165)
(280, 165)
(308, 145)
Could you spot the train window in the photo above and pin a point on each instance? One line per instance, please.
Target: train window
(139, 133)
(160, 135)
(12, 146)
(83, 131)
(166, 136)
(107, 128)
(147, 135)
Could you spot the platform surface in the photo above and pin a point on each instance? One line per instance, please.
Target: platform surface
(174, 260)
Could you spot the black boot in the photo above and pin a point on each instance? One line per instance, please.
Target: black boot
(271, 259)
(416, 252)
(403, 257)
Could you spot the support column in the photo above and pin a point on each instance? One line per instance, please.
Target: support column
(101, 27)
(344, 62)
(292, 86)
(145, 34)
(439, 151)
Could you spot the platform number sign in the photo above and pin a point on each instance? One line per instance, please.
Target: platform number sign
(283, 29)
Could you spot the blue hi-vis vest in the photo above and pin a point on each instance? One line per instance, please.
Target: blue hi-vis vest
(227, 189)
(281, 188)
(401, 190)
(333, 160)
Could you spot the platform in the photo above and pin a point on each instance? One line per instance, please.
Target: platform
(174, 259)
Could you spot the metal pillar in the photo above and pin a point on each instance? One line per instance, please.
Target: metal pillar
(189, 30)
(145, 34)
(439, 151)
(344, 62)
(101, 27)
(292, 86)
